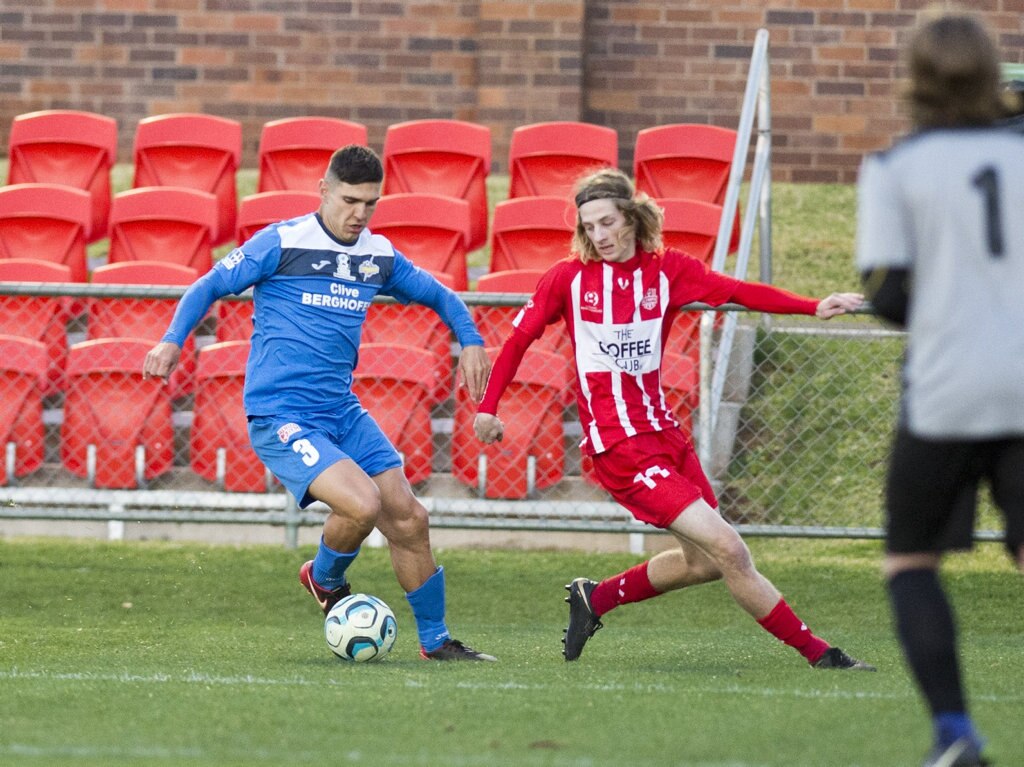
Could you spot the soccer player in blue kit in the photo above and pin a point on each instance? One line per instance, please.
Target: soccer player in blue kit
(314, 277)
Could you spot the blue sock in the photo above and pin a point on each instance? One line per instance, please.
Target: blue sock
(329, 566)
(427, 603)
(951, 726)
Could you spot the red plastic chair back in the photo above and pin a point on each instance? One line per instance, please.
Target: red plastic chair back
(196, 151)
(219, 441)
(65, 146)
(172, 224)
(394, 383)
(48, 222)
(531, 232)
(548, 158)
(38, 318)
(531, 409)
(234, 321)
(686, 161)
(495, 322)
(23, 366)
(259, 210)
(294, 152)
(446, 157)
(143, 318)
(420, 327)
(691, 226)
(108, 405)
(680, 379)
(430, 229)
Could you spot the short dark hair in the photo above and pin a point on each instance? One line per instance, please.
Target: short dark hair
(355, 164)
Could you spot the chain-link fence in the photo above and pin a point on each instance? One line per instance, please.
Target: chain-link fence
(800, 444)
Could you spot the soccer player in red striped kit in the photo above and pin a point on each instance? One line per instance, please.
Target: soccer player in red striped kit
(618, 294)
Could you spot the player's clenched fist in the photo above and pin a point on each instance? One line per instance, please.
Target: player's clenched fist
(161, 360)
(488, 428)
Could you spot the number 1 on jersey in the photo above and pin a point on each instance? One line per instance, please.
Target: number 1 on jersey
(987, 180)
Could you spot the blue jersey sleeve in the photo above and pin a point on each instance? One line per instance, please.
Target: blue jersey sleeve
(408, 283)
(193, 306)
(239, 270)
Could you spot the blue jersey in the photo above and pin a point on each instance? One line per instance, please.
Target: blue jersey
(311, 293)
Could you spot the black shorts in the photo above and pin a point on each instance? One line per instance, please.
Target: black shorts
(932, 491)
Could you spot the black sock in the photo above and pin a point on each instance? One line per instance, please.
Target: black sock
(926, 629)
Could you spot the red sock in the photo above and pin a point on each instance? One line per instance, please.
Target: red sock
(783, 624)
(630, 586)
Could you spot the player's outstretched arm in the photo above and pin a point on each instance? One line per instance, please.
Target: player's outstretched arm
(838, 303)
(161, 360)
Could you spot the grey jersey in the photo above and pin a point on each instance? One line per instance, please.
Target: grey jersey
(948, 205)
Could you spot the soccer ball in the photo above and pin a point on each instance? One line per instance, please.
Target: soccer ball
(360, 628)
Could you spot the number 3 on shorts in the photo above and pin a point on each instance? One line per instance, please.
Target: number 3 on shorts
(310, 455)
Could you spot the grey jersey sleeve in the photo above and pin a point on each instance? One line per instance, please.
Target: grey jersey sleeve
(883, 225)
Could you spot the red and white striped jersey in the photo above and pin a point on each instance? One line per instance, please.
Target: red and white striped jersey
(618, 317)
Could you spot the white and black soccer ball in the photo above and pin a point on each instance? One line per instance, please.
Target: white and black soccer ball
(360, 628)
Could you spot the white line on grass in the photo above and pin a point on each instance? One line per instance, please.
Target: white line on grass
(196, 677)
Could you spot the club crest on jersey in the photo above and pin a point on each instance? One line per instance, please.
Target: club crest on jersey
(591, 301)
(288, 431)
(368, 269)
(343, 268)
(650, 299)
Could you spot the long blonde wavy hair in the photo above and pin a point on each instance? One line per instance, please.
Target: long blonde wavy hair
(644, 219)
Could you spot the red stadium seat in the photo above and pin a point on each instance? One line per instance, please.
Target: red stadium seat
(219, 442)
(117, 429)
(48, 222)
(259, 210)
(680, 378)
(22, 435)
(394, 383)
(430, 229)
(686, 161)
(195, 151)
(446, 157)
(38, 318)
(547, 158)
(171, 224)
(143, 318)
(419, 326)
(691, 226)
(531, 456)
(234, 320)
(495, 322)
(531, 232)
(294, 152)
(64, 146)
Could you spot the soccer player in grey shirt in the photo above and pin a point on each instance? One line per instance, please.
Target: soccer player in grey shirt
(940, 243)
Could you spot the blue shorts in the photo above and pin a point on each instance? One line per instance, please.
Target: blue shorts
(297, 448)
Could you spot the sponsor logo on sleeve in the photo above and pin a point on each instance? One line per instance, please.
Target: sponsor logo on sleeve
(232, 259)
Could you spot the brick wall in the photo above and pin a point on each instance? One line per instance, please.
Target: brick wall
(628, 64)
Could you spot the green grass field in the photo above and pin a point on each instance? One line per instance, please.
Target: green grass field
(158, 654)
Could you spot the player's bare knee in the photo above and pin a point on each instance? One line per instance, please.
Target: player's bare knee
(361, 511)
(732, 557)
(408, 522)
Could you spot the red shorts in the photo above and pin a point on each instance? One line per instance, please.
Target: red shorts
(655, 475)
